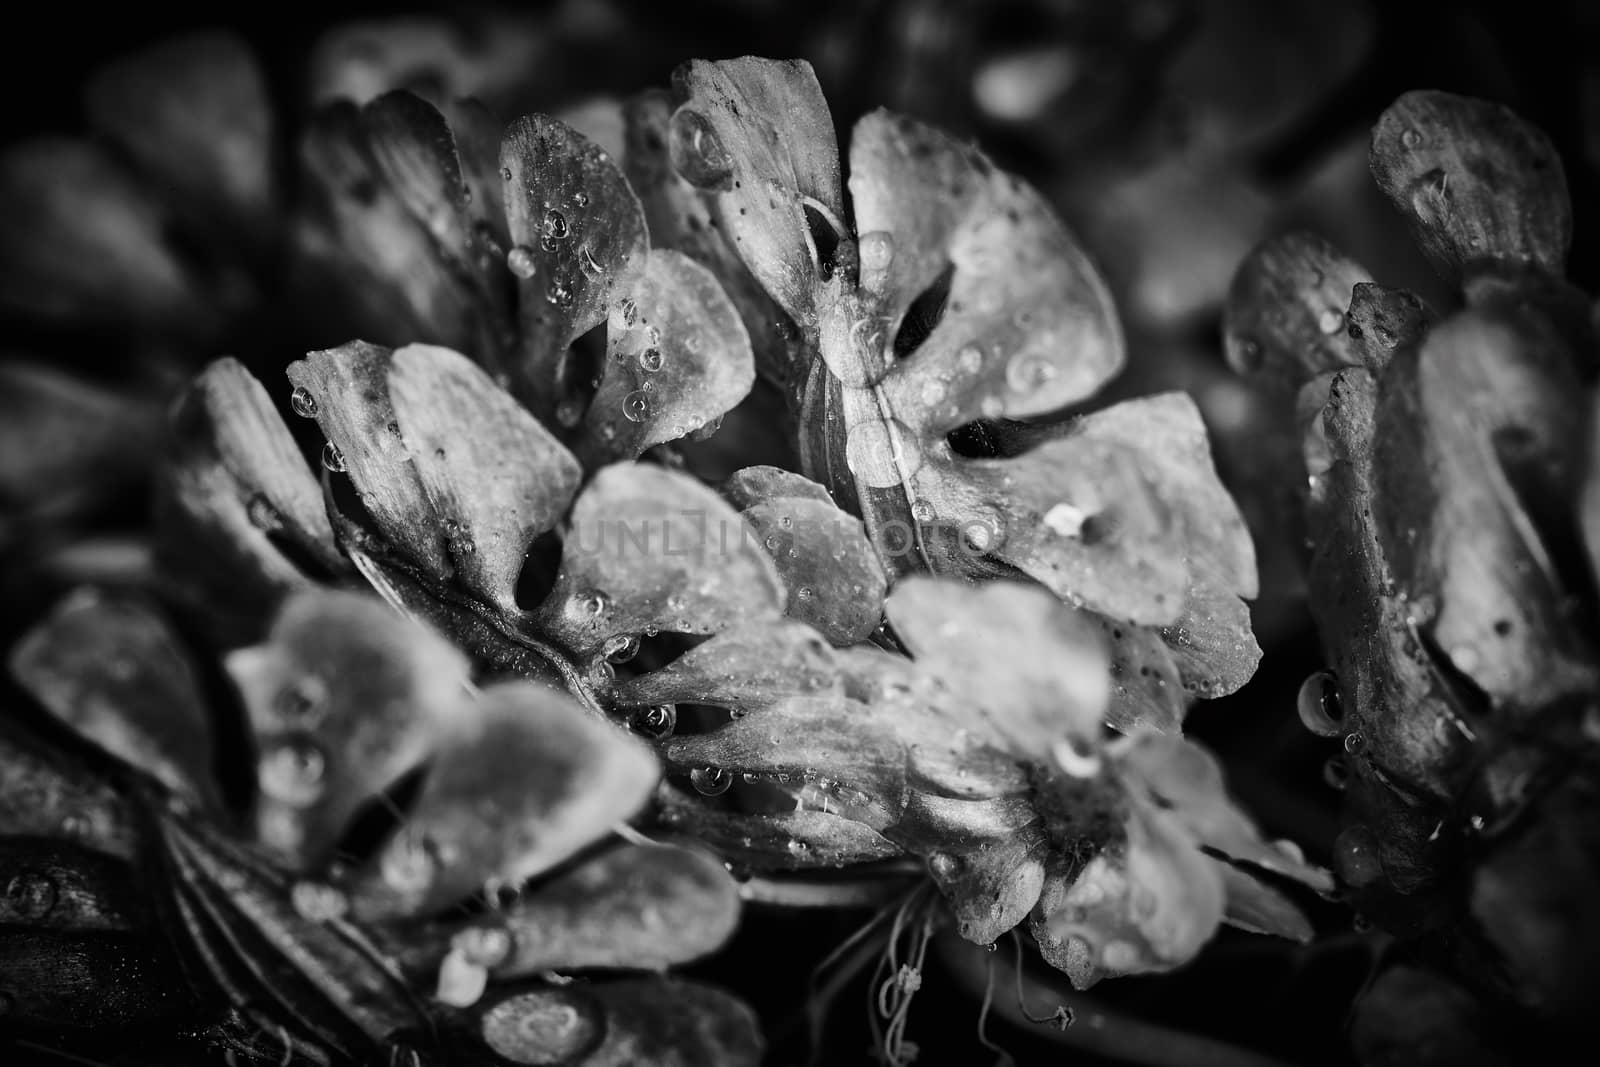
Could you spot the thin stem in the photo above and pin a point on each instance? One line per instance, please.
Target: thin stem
(864, 891)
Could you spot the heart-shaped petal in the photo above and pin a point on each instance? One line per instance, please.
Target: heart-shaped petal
(649, 549)
(1475, 181)
(526, 780)
(1033, 668)
(834, 578)
(343, 698)
(677, 357)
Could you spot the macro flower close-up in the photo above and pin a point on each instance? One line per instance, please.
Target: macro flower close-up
(603, 533)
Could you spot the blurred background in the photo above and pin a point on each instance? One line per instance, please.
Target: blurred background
(1173, 135)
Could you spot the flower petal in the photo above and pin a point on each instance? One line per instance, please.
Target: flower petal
(651, 549)
(803, 839)
(1028, 321)
(1475, 181)
(1033, 668)
(745, 668)
(677, 357)
(993, 887)
(572, 215)
(633, 907)
(655, 1022)
(48, 794)
(494, 476)
(756, 136)
(1255, 906)
(831, 571)
(526, 780)
(343, 698)
(115, 672)
(240, 507)
(1285, 317)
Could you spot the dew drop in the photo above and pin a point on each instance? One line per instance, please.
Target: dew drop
(303, 403)
(651, 360)
(580, 198)
(1319, 706)
(698, 153)
(1411, 137)
(486, 946)
(803, 593)
(293, 771)
(623, 315)
(991, 407)
(560, 295)
(31, 895)
(923, 511)
(505, 174)
(555, 226)
(622, 648)
(588, 264)
(636, 406)
(1331, 321)
(544, 1027)
(521, 262)
(882, 454)
(595, 604)
(408, 864)
(933, 391)
(1354, 742)
(970, 359)
(332, 458)
(657, 722)
(711, 781)
(1028, 371)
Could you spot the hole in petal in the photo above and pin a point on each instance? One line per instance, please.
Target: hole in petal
(975, 440)
(923, 314)
(539, 569)
(824, 238)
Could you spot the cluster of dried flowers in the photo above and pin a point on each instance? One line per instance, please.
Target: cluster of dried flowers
(682, 529)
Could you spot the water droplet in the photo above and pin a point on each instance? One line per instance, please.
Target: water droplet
(408, 864)
(318, 901)
(923, 511)
(560, 295)
(1249, 358)
(332, 458)
(1354, 742)
(1119, 957)
(651, 359)
(588, 264)
(1331, 321)
(547, 1026)
(303, 403)
(698, 153)
(1065, 519)
(595, 604)
(1028, 371)
(882, 454)
(486, 946)
(622, 648)
(981, 535)
(580, 198)
(944, 866)
(555, 225)
(31, 895)
(1411, 137)
(1355, 857)
(624, 314)
(803, 593)
(711, 781)
(293, 771)
(636, 406)
(657, 722)
(1075, 758)
(1319, 705)
(970, 359)
(991, 407)
(505, 174)
(521, 262)
(876, 252)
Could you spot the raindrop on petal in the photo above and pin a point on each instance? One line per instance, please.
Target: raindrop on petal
(711, 781)
(555, 225)
(521, 262)
(657, 722)
(332, 458)
(698, 152)
(1319, 706)
(31, 895)
(651, 360)
(303, 403)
